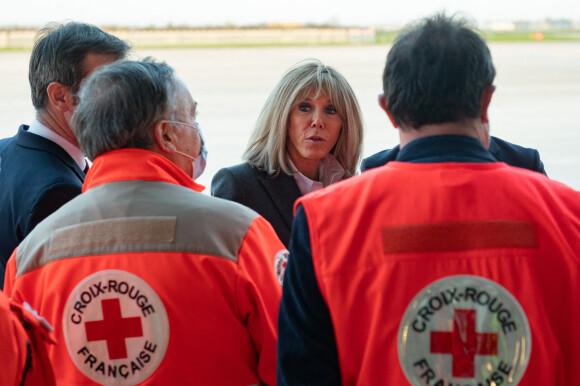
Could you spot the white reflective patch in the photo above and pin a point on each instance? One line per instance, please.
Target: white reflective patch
(464, 330)
(280, 262)
(115, 328)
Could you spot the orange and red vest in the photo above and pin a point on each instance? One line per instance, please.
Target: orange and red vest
(382, 242)
(23, 357)
(147, 281)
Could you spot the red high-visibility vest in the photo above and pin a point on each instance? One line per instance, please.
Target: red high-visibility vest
(147, 281)
(381, 244)
(23, 358)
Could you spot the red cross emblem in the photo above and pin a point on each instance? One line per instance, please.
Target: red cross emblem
(463, 343)
(114, 329)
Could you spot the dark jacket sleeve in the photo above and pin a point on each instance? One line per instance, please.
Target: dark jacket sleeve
(365, 165)
(48, 202)
(271, 197)
(537, 164)
(379, 159)
(307, 352)
(226, 184)
(516, 155)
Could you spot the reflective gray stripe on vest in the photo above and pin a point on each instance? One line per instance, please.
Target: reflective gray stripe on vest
(116, 231)
(137, 216)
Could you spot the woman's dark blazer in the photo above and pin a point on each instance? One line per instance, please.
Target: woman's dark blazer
(272, 197)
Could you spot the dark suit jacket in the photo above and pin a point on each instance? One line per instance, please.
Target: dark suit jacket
(36, 178)
(504, 151)
(273, 198)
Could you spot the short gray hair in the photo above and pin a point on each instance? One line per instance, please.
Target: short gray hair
(267, 145)
(120, 104)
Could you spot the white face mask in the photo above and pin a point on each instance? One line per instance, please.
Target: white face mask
(198, 163)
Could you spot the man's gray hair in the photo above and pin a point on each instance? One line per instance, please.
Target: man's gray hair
(120, 104)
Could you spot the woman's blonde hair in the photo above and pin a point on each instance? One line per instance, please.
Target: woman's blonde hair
(267, 145)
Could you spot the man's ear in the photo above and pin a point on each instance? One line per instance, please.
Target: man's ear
(60, 96)
(485, 102)
(165, 137)
(383, 104)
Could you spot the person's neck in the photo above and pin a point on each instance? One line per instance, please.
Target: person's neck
(57, 123)
(308, 168)
(471, 128)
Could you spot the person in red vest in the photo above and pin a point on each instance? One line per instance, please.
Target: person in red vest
(146, 280)
(23, 358)
(445, 266)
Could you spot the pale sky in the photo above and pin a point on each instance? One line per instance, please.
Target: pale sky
(159, 13)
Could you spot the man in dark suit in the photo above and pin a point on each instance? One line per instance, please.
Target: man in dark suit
(42, 167)
(504, 151)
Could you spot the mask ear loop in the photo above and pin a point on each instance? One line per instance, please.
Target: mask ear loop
(197, 163)
(186, 155)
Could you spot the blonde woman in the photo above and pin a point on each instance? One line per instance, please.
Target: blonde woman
(307, 136)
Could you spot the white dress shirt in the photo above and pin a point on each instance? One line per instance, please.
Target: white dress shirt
(76, 153)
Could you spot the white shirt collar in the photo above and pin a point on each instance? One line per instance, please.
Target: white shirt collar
(329, 171)
(77, 155)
